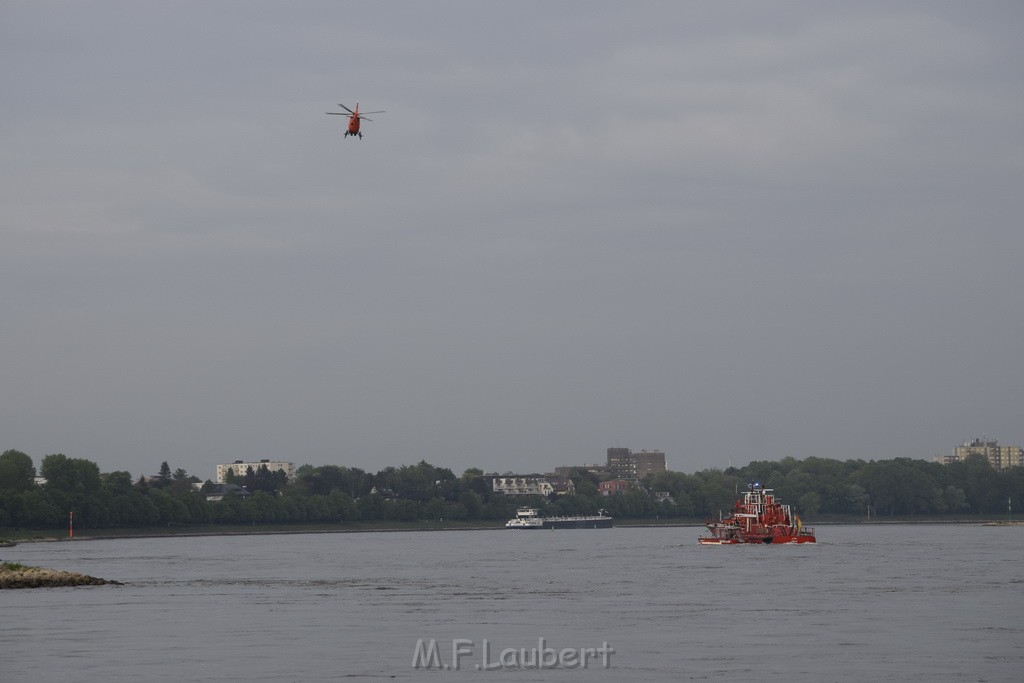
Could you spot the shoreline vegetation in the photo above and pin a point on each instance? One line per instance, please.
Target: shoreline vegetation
(14, 575)
(71, 493)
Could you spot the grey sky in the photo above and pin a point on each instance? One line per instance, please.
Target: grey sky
(729, 231)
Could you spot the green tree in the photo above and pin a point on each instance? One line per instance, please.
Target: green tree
(856, 500)
(434, 509)
(70, 475)
(315, 508)
(479, 485)
(16, 471)
(980, 483)
(456, 511)
(119, 482)
(417, 482)
(341, 507)
(371, 508)
(471, 502)
(38, 510)
(879, 481)
(164, 477)
(809, 504)
(716, 492)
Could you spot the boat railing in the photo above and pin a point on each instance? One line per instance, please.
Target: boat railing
(574, 518)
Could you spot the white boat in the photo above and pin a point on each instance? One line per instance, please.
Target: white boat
(529, 518)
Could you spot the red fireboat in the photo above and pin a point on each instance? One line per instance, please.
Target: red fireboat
(758, 518)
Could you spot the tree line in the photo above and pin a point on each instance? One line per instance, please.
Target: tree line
(423, 492)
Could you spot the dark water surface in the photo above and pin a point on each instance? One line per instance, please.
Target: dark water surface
(872, 603)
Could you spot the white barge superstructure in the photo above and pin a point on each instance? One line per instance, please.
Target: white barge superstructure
(529, 518)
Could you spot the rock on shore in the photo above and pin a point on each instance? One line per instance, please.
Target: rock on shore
(19, 576)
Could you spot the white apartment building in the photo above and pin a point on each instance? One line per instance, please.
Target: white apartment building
(240, 467)
(520, 485)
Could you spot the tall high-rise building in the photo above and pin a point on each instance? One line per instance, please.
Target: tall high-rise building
(649, 462)
(629, 465)
(999, 457)
(620, 462)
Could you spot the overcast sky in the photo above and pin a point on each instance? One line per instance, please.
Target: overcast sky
(728, 231)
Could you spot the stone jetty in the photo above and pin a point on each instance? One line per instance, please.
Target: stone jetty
(14, 575)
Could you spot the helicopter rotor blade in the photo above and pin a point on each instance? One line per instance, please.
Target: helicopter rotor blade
(336, 113)
(346, 108)
(371, 112)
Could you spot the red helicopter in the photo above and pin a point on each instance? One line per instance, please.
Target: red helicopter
(354, 117)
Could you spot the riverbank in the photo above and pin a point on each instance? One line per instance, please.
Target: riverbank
(14, 575)
(9, 537)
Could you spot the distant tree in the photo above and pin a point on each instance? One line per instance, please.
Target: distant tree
(471, 502)
(171, 509)
(180, 474)
(249, 478)
(39, 511)
(471, 473)
(479, 485)
(809, 504)
(352, 480)
(856, 501)
(684, 504)
(341, 507)
(879, 481)
(577, 505)
(434, 509)
(265, 480)
(70, 475)
(419, 482)
(585, 483)
(980, 483)
(634, 503)
(456, 511)
(448, 489)
(403, 510)
(716, 491)
(117, 482)
(499, 507)
(164, 476)
(16, 471)
(371, 508)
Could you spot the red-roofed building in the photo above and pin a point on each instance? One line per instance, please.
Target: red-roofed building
(613, 486)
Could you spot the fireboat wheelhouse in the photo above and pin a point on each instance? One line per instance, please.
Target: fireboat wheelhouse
(758, 518)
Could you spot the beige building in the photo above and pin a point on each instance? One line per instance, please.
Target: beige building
(522, 485)
(240, 467)
(1000, 457)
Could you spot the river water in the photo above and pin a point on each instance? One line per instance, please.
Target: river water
(887, 602)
